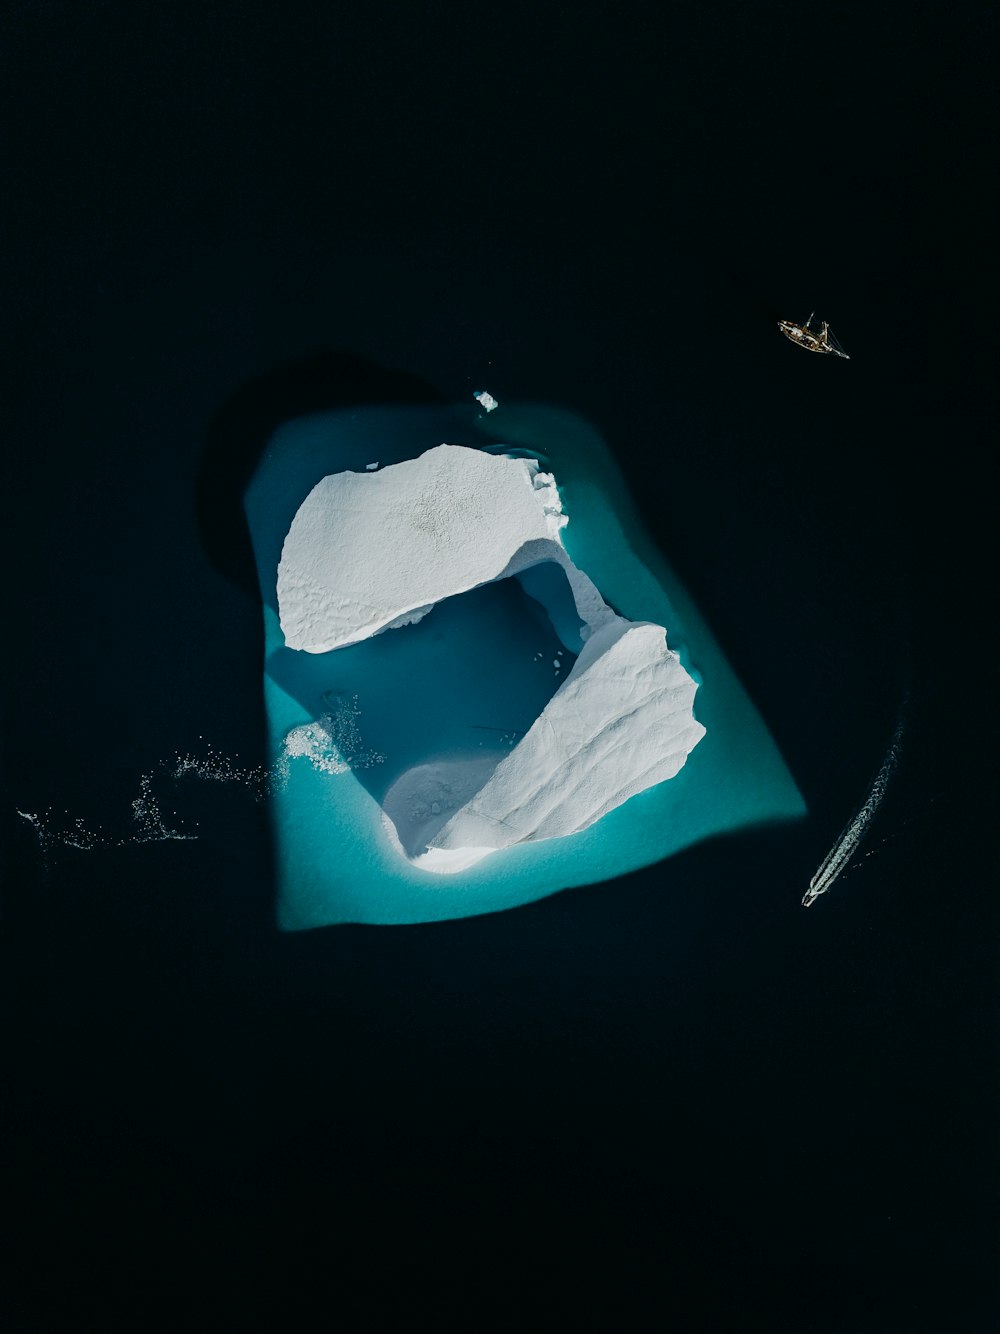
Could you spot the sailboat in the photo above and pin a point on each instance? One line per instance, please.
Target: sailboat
(810, 339)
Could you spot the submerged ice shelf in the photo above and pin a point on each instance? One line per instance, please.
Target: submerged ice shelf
(511, 726)
(368, 553)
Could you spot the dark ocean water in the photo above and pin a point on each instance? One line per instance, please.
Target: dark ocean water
(676, 1101)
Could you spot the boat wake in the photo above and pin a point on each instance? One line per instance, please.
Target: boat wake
(836, 860)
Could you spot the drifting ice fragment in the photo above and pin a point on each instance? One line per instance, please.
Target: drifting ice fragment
(487, 400)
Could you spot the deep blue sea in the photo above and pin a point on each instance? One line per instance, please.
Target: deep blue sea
(675, 1100)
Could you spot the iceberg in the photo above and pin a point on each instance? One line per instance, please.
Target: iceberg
(481, 686)
(366, 554)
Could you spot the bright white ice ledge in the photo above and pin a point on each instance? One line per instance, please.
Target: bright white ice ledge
(374, 551)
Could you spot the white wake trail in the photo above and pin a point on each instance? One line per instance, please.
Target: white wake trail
(847, 844)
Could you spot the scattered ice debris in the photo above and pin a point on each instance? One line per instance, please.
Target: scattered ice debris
(486, 399)
(149, 825)
(51, 835)
(557, 664)
(214, 767)
(332, 744)
(314, 743)
(146, 813)
(370, 467)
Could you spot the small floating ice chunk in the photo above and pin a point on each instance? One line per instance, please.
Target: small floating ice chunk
(486, 399)
(370, 467)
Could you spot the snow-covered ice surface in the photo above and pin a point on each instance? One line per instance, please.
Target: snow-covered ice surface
(524, 727)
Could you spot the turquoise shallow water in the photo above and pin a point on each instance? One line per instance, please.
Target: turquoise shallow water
(473, 675)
